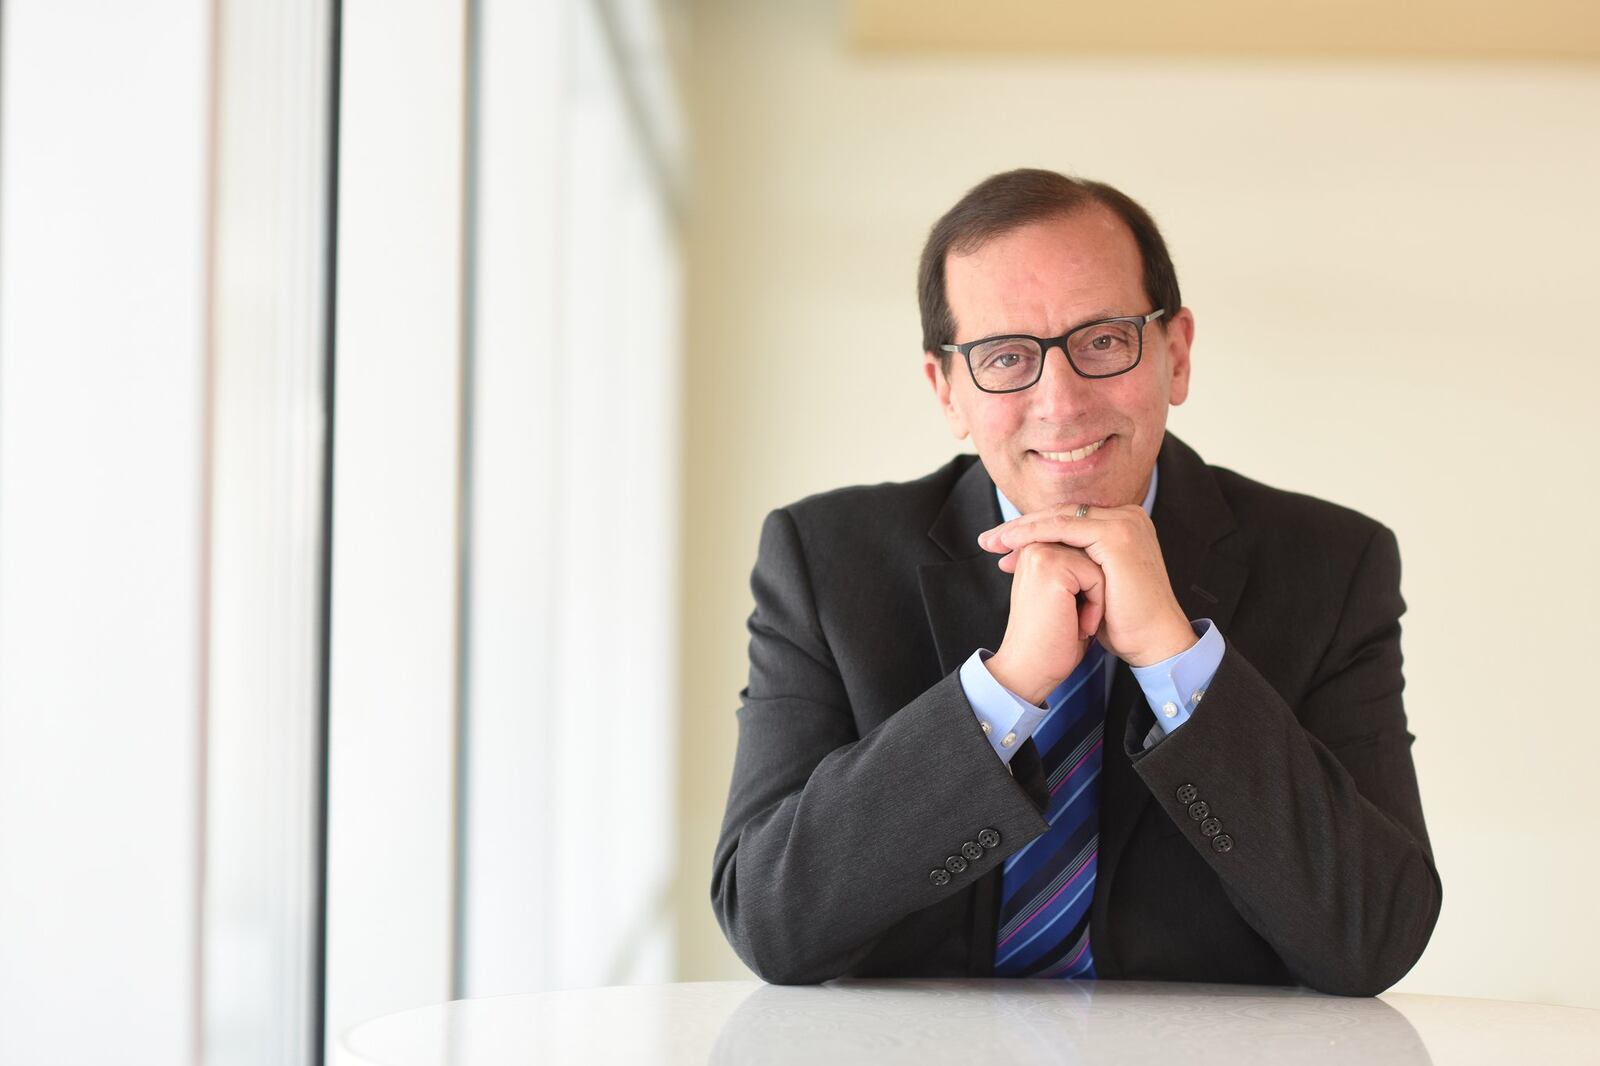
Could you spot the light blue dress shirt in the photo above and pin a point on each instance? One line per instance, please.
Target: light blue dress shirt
(1173, 687)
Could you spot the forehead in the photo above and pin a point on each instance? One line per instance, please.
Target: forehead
(1047, 276)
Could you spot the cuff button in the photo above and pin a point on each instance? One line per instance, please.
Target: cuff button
(940, 877)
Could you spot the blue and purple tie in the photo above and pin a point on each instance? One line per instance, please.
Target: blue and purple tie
(1047, 887)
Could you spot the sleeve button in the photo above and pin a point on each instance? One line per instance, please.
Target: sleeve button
(1222, 843)
(955, 864)
(1187, 794)
(940, 877)
(972, 851)
(1199, 809)
(989, 838)
(1210, 827)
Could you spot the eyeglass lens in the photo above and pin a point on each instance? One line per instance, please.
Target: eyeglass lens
(1015, 362)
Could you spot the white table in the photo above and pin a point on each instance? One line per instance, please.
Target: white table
(936, 1022)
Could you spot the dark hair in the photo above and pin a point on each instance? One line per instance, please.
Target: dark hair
(1004, 202)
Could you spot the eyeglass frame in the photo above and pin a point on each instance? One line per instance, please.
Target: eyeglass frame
(1045, 344)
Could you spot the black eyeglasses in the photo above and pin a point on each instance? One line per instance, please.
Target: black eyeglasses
(1015, 361)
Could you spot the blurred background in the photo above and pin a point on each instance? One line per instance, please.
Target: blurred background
(391, 394)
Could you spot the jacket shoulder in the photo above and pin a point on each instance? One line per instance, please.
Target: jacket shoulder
(1307, 547)
(888, 510)
(1260, 506)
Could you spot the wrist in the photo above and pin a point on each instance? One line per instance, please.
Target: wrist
(1031, 688)
(1176, 639)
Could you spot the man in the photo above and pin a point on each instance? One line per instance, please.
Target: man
(1186, 756)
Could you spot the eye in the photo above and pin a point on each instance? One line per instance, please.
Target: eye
(1006, 356)
(1109, 338)
(1005, 364)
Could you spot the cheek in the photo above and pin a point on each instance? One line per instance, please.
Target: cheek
(998, 423)
(1143, 400)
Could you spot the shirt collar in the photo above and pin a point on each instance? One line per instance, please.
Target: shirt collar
(1008, 510)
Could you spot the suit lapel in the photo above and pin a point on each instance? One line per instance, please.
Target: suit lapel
(1192, 521)
(967, 596)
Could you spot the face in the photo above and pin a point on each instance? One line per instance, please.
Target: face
(1045, 279)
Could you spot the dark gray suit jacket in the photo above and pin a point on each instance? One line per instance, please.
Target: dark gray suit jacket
(861, 766)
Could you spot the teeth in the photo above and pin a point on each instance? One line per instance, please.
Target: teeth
(1072, 457)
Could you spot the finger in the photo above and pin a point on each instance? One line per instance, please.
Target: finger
(1013, 557)
(1090, 613)
(1090, 598)
(1090, 580)
(1052, 528)
(1085, 570)
(989, 539)
(1091, 595)
(1068, 532)
(1065, 511)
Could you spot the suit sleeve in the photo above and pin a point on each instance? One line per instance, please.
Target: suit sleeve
(1310, 815)
(831, 837)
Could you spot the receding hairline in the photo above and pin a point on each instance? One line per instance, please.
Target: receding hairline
(975, 242)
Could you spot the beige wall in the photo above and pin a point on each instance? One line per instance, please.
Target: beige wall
(1393, 271)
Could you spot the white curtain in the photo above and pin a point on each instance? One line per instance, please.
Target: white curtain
(513, 666)
(477, 481)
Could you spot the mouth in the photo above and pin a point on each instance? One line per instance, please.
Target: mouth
(1076, 456)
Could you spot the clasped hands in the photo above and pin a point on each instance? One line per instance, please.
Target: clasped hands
(1076, 578)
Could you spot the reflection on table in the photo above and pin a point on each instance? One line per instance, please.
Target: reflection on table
(921, 1022)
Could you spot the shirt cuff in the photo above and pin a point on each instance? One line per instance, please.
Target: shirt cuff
(1005, 717)
(1174, 686)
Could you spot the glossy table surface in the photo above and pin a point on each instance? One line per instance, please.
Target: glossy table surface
(934, 1022)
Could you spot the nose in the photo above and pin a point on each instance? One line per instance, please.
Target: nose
(1061, 393)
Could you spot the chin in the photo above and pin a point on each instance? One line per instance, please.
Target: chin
(1099, 493)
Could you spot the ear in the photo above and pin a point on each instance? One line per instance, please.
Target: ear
(951, 406)
(1180, 335)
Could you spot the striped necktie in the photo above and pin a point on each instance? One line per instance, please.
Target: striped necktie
(1047, 887)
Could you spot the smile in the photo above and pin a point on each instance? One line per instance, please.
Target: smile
(1073, 456)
